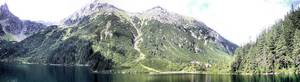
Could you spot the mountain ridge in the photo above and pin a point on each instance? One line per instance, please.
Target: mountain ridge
(108, 38)
(157, 13)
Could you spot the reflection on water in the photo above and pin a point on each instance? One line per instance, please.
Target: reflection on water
(42, 73)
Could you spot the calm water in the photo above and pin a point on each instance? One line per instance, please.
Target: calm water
(42, 73)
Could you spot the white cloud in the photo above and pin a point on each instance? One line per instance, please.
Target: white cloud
(236, 20)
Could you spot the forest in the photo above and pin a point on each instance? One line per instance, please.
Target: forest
(276, 50)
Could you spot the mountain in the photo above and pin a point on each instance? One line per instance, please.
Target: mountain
(276, 50)
(109, 39)
(14, 29)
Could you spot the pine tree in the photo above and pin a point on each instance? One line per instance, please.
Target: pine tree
(271, 40)
(281, 50)
(296, 47)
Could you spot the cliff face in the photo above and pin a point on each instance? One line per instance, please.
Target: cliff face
(15, 29)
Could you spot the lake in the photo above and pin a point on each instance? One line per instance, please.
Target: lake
(44, 73)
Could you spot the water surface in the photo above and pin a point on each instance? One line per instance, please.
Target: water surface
(43, 73)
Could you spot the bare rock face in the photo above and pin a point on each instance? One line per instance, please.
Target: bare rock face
(16, 28)
(83, 15)
(163, 15)
(2, 33)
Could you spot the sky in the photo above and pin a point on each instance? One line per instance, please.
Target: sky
(239, 21)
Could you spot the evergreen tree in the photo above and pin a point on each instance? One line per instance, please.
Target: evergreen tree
(271, 40)
(296, 47)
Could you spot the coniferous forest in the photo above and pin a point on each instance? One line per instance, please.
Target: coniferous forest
(276, 50)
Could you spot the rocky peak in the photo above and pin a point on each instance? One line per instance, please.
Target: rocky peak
(4, 11)
(163, 15)
(157, 9)
(89, 9)
(97, 6)
(12, 25)
(100, 5)
(4, 7)
(9, 22)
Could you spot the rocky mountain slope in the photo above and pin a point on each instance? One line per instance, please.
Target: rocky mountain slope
(105, 37)
(14, 29)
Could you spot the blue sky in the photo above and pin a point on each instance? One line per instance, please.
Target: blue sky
(237, 20)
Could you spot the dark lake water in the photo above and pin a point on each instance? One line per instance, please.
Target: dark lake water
(43, 73)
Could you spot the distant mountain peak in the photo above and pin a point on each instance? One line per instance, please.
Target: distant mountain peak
(89, 9)
(157, 9)
(163, 15)
(99, 5)
(96, 7)
(4, 6)
(19, 29)
(4, 11)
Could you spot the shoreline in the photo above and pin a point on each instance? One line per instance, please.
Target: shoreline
(150, 73)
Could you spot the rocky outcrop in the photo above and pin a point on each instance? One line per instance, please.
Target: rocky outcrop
(83, 15)
(2, 33)
(19, 29)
